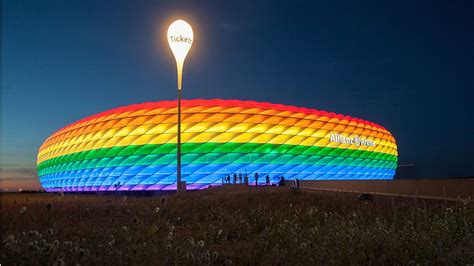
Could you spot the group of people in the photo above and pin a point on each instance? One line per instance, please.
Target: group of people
(239, 179)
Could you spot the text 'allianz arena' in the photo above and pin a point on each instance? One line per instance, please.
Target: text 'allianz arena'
(134, 147)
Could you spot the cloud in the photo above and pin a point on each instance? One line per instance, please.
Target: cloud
(14, 176)
(18, 173)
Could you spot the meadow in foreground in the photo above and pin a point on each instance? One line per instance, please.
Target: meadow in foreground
(234, 225)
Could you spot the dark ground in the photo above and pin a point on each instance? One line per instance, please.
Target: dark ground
(234, 225)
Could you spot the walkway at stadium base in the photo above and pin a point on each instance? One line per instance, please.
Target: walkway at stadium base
(455, 189)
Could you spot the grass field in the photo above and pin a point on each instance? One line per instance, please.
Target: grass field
(234, 225)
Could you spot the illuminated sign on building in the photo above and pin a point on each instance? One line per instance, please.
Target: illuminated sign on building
(351, 140)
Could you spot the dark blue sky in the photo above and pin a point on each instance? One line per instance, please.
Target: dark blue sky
(407, 65)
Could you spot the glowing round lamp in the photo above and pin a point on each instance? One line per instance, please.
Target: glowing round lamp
(180, 39)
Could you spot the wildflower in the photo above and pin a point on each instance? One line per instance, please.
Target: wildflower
(124, 228)
(49, 248)
(81, 253)
(157, 209)
(49, 206)
(201, 243)
(153, 228)
(59, 262)
(32, 246)
(188, 255)
(207, 254)
(124, 198)
(449, 210)
(219, 232)
(10, 238)
(67, 244)
(23, 210)
(304, 245)
(215, 255)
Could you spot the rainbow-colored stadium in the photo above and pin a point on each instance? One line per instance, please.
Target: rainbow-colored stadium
(134, 147)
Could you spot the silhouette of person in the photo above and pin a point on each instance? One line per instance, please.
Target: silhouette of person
(267, 180)
(281, 182)
(235, 178)
(246, 178)
(256, 179)
(227, 179)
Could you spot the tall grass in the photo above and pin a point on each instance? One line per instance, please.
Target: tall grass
(234, 225)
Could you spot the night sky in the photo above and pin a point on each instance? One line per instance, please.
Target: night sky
(407, 65)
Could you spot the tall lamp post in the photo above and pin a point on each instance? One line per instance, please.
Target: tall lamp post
(180, 39)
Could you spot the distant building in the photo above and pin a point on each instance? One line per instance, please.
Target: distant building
(134, 147)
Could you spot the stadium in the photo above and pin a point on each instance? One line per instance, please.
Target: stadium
(133, 147)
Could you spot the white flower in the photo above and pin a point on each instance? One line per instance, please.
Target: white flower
(59, 262)
(201, 243)
(157, 209)
(23, 209)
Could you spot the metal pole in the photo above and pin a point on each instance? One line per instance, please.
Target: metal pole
(178, 177)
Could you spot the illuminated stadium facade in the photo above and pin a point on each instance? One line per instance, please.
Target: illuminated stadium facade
(134, 147)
